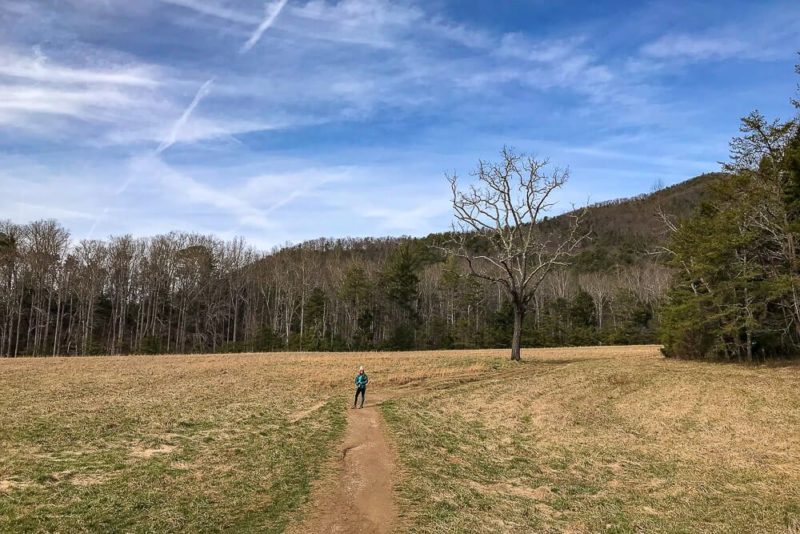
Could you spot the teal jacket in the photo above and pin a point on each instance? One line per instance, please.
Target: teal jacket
(362, 380)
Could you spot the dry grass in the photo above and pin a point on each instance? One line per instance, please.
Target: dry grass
(601, 439)
(179, 443)
(604, 439)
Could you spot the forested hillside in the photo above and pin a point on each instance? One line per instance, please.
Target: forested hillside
(193, 293)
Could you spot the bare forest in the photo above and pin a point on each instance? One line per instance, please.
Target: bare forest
(180, 293)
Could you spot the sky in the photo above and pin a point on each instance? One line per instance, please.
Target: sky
(295, 119)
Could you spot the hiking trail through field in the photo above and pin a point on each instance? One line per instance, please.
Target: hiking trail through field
(359, 498)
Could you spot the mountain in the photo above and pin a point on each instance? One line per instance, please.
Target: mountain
(625, 230)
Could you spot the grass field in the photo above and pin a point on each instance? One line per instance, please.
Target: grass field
(613, 439)
(609, 439)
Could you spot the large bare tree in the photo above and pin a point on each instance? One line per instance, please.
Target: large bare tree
(498, 228)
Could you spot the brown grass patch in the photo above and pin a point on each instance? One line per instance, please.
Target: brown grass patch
(542, 493)
(149, 452)
(7, 486)
(90, 479)
(302, 414)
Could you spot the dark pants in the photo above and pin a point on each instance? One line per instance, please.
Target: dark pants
(362, 390)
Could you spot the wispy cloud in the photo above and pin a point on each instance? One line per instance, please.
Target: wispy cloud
(416, 218)
(168, 142)
(33, 190)
(376, 93)
(211, 8)
(33, 88)
(96, 100)
(698, 47)
(763, 34)
(187, 190)
(253, 203)
(382, 24)
(406, 62)
(36, 67)
(98, 104)
(200, 129)
(273, 10)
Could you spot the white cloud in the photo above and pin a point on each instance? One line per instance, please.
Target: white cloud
(255, 203)
(37, 68)
(94, 105)
(115, 104)
(699, 47)
(377, 23)
(213, 9)
(41, 211)
(33, 190)
(519, 46)
(417, 218)
(42, 96)
(184, 189)
(197, 129)
(763, 34)
(406, 61)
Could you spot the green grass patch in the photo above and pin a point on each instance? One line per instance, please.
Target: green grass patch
(247, 473)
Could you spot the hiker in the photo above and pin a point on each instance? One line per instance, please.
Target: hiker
(361, 386)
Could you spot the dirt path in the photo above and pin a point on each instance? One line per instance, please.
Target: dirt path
(359, 498)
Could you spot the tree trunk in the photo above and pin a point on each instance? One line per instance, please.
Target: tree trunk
(19, 322)
(749, 348)
(519, 315)
(58, 319)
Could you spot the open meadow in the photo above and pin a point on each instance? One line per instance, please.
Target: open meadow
(613, 439)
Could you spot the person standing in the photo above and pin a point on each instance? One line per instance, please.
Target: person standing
(361, 386)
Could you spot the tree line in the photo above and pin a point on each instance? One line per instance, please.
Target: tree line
(183, 293)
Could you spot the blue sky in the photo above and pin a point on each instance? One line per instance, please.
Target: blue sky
(294, 119)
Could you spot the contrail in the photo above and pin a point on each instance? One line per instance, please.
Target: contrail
(90, 233)
(179, 124)
(273, 10)
(165, 144)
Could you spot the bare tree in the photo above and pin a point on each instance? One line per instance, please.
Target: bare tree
(92, 272)
(498, 228)
(601, 287)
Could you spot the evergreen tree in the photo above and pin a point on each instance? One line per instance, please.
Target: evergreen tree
(737, 292)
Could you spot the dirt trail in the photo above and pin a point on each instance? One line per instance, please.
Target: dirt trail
(359, 498)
